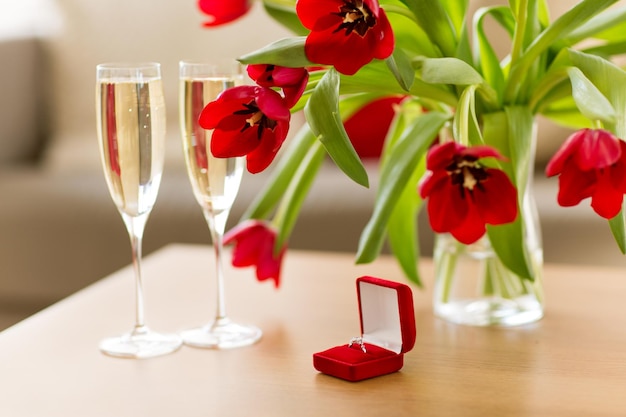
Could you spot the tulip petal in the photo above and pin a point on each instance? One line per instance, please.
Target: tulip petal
(588, 149)
(261, 157)
(221, 12)
(432, 180)
(497, 203)
(481, 151)
(293, 81)
(575, 185)
(346, 53)
(447, 207)
(383, 42)
(215, 111)
(471, 229)
(272, 104)
(285, 77)
(246, 251)
(268, 266)
(242, 231)
(606, 201)
(226, 143)
(439, 157)
(310, 12)
(367, 128)
(254, 246)
(559, 159)
(618, 171)
(599, 149)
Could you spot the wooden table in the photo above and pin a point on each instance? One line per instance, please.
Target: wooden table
(572, 363)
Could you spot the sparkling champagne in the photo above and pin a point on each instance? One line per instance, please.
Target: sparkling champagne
(215, 181)
(131, 130)
(130, 110)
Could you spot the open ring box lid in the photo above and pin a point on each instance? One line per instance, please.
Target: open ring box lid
(387, 330)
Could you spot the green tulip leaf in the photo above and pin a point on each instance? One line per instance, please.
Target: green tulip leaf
(286, 167)
(322, 113)
(609, 25)
(409, 150)
(377, 78)
(407, 34)
(607, 49)
(466, 127)
(433, 18)
(560, 28)
(618, 228)
(589, 100)
(512, 132)
(295, 194)
(284, 12)
(402, 227)
(610, 81)
(488, 60)
(401, 68)
(288, 52)
(449, 71)
(456, 9)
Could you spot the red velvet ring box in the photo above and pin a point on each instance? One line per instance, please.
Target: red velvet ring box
(387, 333)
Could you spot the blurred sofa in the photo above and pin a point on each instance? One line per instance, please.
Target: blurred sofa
(59, 230)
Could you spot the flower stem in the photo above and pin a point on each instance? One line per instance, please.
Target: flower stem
(597, 124)
(517, 50)
(446, 264)
(293, 198)
(520, 26)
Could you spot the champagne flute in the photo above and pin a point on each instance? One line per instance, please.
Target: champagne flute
(131, 131)
(215, 183)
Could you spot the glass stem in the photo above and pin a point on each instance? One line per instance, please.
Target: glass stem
(135, 226)
(217, 225)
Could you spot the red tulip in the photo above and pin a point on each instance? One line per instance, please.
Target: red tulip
(223, 11)
(248, 120)
(292, 81)
(347, 34)
(591, 163)
(367, 128)
(464, 195)
(254, 246)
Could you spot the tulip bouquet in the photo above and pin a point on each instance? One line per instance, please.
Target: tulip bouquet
(461, 139)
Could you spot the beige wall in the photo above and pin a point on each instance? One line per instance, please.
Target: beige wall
(89, 32)
(92, 32)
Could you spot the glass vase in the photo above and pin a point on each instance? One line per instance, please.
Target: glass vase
(474, 287)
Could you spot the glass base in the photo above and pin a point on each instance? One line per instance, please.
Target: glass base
(493, 311)
(222, 334)
(140, 344)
